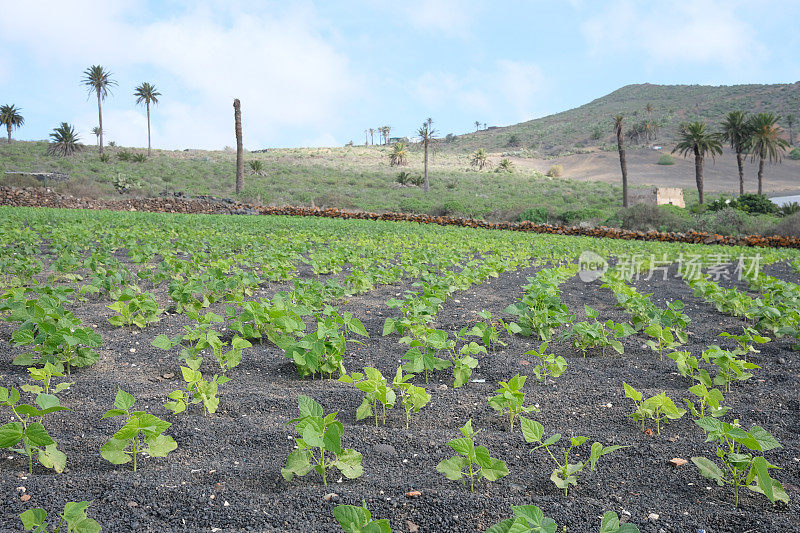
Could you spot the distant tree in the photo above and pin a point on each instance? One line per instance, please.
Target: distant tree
(694, 138)
(372, 135)
(385, 131)
(428, 136)
(64, 141)
(790, 120)
(477, 125)
(505, 165)
(366, 137)
(479, 159)
(736, 132)
(10, 118)
(147, 93)
(96, 133)
(513, 140)
(648, 123)
(98, 80)
(237, 121)
(622, 163)
(399, 155)
(766, 142)
(484, 125)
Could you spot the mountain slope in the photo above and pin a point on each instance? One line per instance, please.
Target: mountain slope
(589, 126)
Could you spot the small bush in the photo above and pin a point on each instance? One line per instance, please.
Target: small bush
(790, 209)
(795, 154)
(138, 158)
(555, 171)
(105, 158)
(537, 215)
(505, 165)
(513, 140)
(722, 203)
(732, 221)
(579, 215)
(788, 227)
(124, 155)
(256, 166)
(666, 159)
(647, 217)
(756, 204)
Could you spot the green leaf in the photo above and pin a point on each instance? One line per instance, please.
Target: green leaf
(351, 518)
(708, 469)
(308, 407)
(37, 435)
(452, 467)
(33, 518)
(632, 393)
(532, 430)
(364, 410)
(124, 400)
(349, 463)
(50, 457)
(298, 463)
(763, 481)
(113, 451)
(160, 445)
(10, 434)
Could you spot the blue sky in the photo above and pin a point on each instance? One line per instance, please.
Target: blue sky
(319, 73)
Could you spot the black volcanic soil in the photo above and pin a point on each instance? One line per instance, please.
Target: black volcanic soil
(225, 474)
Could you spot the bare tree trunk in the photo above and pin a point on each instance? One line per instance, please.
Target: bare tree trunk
(741, 171)
(427, 185)
(760, 173)
(148, 128)
(624, 166)
(698, 172)
(237, 117)
(8, 127)
(100, 118)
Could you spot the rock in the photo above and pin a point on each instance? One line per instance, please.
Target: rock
(167, 375)
(412, 527)
(652, 517)
(133, 504)
(781, 361)
(524, 362)
(25, 497)
(331, 497)
(385, 449)
(442, 387)
(413, 494)
(677, 461)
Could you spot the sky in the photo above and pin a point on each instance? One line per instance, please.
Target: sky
(320, 73)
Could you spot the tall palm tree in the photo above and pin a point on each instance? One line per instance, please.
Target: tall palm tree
(477, 125)
(385, 130)
(766, 142)
(64, 141)
(427, 134)
(237, 122)
(479, 159)
(147, 93)
(372, 136)
(96, 133)
(622, 163)
(10, 118)
(694, 138)
(366, 137)
(98, 80)
(790, 120)
(736, 132)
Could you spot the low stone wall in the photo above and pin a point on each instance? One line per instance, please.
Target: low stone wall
(40, 197)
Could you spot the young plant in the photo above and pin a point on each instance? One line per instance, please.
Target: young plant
(375, 389)
(197, 337)
(197, 390)
(729, 368)
(657, 408)
(687, 364)
(738, 449)
(610, 524)
(526, 519)
(586, 335)
(421, 357)
(359, 520)
(319, 446)
(45, 375)
(472, 461)
(663, 338)
(463, 362)
(135, 309)
(550, 366)
(28, 429)
(74, 517)
(708, 398)
(510, 399)
(746, 340)
(565, 473)
(412, 397)
(488, 330)
(141, 433)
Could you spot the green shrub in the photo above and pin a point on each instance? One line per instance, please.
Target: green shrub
(513, 140)
(646, 217)
(795, 154)
(124, 155)
(722, 203)
(138, 158)
(578, 215)
(732, 221)
(789, 226)
(537, 215)
(555, 171)
(790, 209)
(666, 159)
(756, 204)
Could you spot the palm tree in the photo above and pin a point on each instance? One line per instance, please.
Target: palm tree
(427, 134)
(399, 155)
(766, 142)
(366, 138)
(736, 132)
(96, 132)
(372, 136)
(64, 141)
(10, 118)
(695, 138)
(622, 163)
(477, 125)
(505, 165)
(147, 93)
(479, 159)
(237, 122)
(98, 80)
(790, 120)
(385, 130)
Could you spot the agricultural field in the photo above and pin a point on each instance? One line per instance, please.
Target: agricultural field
(224, 373)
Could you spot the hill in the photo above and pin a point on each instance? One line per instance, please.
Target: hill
(588, 127)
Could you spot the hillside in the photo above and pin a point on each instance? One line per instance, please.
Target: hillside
(588, 127)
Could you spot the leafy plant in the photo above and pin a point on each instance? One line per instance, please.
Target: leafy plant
(375, 389)
(510, 399)
(197, 390)
(610, 524)
(359, 520)
(742, 467)
(687, 364)
(526, 519)
(412, 397)
(729, 368)
(472, 461)
(657, 408)
(421, 357)
(663, 339)
(74, 517)
(197, 337)
(586, 335)
(746, 340)
(141, 433)
(708, 398)
(45, 375)
(319, 435)
(463, 362)
(135, 309)
(28, 429)
(550, 365)
(565, 473)
(488, 331)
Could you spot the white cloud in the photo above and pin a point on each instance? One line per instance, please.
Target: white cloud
(453, 18)
(702, 31)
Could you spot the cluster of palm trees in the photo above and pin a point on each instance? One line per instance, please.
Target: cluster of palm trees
(98, 82)
(382, 131)
(758, 136)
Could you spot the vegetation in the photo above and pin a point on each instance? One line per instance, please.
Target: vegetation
(10, 117)
(146, 93)
(765, 142)
(479, 159)
(472, 461)
(666, 159)
(98, 81)
(64, 141)
(618, 131)
(694, 138)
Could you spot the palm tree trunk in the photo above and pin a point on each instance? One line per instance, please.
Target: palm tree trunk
(148, 128)
(741, 171)
(624, 167)
(698, 172)
(100, 118)
(427, 185)
(8, 127)
(760, 173)
(237, 117)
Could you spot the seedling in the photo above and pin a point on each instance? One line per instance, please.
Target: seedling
(74, 517)
(510, 399)
(197, 338)
(565, 473)
(586, 335)
(687, 364)
(141, 433)
(729, 368)
(488, 330)
(319, 447)
(197, 390)
(45, 375)
(657, 408)
(412, 397)
(472, 461)
(375, 389)
(359, 520)
(135, 309)
(463, 362)
(526, 519)
(746, 340)
(421, 357)
(707, 398)
(735, 448)
(28, 429)
(610, 524)
(550, 366)
(663, 339)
